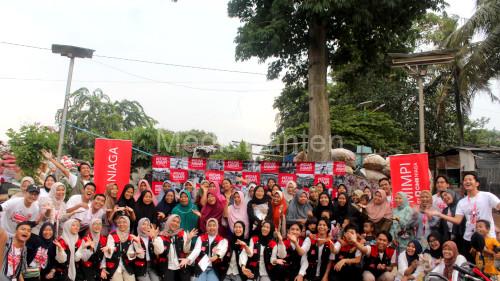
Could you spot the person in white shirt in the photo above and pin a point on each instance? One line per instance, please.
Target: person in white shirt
(78, 205)
(450, 258)
(264, 254)
(234, 257)
(409, 267)
(210, 247)
(13, 252)
(296, 262)
(380, 259)
(173, 245)
(16, 210)
(346, 264)
(385, 184)
(475, 206)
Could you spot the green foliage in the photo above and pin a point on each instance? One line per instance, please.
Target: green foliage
(357, 30)
(95, 112)
(233, 152)
(27, 143)
(476, 133)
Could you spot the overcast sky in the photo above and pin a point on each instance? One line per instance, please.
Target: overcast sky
(233, 106)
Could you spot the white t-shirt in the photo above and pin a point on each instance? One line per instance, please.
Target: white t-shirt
(84, 215)
(14, 211)
(438, 203)
(476, 208)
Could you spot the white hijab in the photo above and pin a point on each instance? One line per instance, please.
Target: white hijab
(70, 240)
(124, 234)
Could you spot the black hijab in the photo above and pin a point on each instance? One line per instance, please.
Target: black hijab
(123, 202)
(437, 254)
(45, 181)
(165, 207)
(340, 213)
(242, 237)
(319, 209)
(257, 201)
(143, 210)
(37, 241)
(418, 251)
(264, 240)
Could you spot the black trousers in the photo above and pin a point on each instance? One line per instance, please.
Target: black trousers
(182, 274)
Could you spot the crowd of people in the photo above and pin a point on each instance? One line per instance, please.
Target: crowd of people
(253, 232)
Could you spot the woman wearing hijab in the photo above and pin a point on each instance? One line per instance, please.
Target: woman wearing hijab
(214, 209)
(69, 251)
(54, 206)
(299, 208)
(403, 222)
(379, 211)
(46, 242)
(408, 264)
(47, 185)
(233, 259)
(187, 211)
(37, 254)
(126, 203)
(238, 212)
(90, 264)
(209, 245)
(146, 268)
(342, 211)
(145, 208)
(425, 223)
(264, 254)
(259, 209)
(172, 245)
(166, 205)
(449, 230)
(142, 186)
(434, 253)
(279, 211)
(450, 258)
(120, 251)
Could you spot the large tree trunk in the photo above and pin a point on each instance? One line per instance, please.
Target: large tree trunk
(319, 112)
(458, 105)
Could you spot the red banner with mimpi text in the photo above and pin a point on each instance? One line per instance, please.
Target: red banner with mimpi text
(112, 163)
(410, 174)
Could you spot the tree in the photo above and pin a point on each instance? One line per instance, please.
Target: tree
(305, 37)
(93, 113)
(27, 143)
(233, 152)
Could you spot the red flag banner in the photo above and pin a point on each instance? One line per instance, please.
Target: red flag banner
(283, 179)
(197, 164)
(233, 165)
(215, 176)
(327, 180)
(112, 163)
(161, 162)
(269, 167)
(249, 177)
(410, 174)
(339, 168)
(305, 168)
(178, 175)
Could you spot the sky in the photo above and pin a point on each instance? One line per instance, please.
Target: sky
(234, 106)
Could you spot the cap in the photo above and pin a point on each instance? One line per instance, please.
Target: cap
(33, 188)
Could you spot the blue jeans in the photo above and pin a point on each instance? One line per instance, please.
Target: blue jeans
(208, 275)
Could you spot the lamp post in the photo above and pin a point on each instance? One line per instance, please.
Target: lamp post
(71, 52)
(416, 65)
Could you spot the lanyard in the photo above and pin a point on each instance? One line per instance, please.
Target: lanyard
(473, 211)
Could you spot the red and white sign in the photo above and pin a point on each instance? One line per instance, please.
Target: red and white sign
(233, 165)
(215, 176)
(269, 167)
(197, 164)
(161, 162)
(410, 174)
(339, 168)
(112, 163)
(283, 179)
(249, 177)
(327, 180)
(178, 175)
(305, 168)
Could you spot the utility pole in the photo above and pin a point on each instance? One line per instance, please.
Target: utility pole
(71, 52)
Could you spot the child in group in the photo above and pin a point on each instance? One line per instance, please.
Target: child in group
(369, 233)
(311, 225)
(487, 256)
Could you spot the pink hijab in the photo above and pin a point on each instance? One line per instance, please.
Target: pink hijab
(376, 212)
(238, 213)
(138, 192)
(218, 194)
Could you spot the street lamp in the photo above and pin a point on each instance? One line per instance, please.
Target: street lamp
(71, 52)
(416, 64)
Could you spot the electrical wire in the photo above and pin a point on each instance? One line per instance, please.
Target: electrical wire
(145, 61)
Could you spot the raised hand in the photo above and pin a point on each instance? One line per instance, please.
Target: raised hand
(192, 234)
(47, 154)
(58, 244)
(292, 238)
(197, 213)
